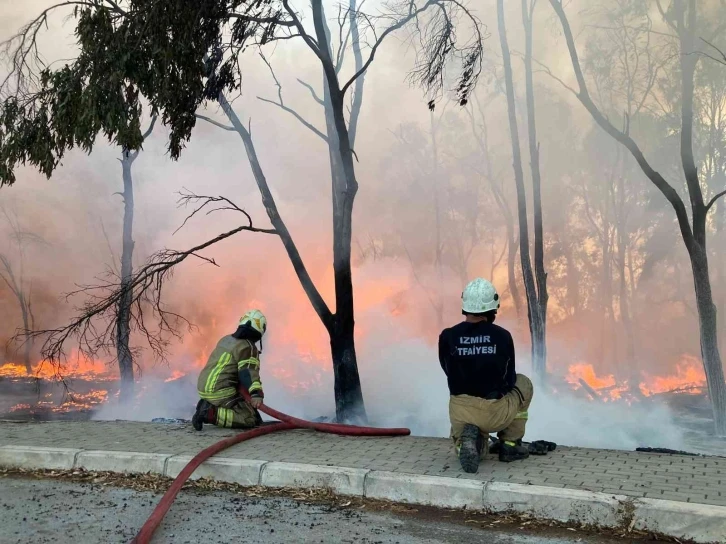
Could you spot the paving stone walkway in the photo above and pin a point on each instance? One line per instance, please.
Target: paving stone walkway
(661, 476)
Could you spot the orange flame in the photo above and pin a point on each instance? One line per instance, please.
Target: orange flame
(175, 375)
(76, 367)
(74, 402)
(607, 387)
(586, 373)
(689, 376)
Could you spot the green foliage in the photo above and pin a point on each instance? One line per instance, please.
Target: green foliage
(169, 55)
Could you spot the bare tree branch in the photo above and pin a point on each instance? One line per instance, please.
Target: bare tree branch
(722, 60)
(411, 15)
(439, 43)
(281, 104)
(714, 199)
(312, 92)
(151, 128)
(8, 276)
(188, 198)
(584, 96)
(316, 299)
(146, 286)
(356, 102)
(342, 41)
(297, 116)
(215, 123)
(309, 40)
(134, 154)
(22, 51)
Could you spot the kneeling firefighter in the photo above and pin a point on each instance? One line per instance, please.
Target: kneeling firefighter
(234, 362)
(486, 393)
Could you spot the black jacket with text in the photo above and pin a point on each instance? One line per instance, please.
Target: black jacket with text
(478, 359)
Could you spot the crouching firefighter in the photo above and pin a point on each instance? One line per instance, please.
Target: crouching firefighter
(234, 362)
(487, 395)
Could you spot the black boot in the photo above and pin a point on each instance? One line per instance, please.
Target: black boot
(205, 413)
(512, 451)
(471, 448)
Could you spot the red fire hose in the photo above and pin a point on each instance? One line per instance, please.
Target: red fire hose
(288, 422)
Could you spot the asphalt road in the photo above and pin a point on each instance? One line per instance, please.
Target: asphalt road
(37, 511)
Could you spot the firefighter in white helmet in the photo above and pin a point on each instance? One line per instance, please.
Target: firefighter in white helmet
(487, 395)
(234, 362)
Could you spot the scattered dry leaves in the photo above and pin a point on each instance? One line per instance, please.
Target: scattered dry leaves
(156, 483)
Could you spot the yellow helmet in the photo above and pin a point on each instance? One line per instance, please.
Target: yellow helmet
(256, 319)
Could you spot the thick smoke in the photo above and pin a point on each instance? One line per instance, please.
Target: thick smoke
(402, 380)
(421, 229)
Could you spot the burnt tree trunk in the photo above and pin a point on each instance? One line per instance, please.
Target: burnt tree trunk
(123, 314)
(536, 327)
(348, 395)
(539, 326)
(349, 405)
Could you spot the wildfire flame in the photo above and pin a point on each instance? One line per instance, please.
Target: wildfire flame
(77, 368)
(73, 402)
(606, 386)
(175, 375)
(689, 377)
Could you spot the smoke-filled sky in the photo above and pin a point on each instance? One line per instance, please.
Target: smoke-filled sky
(396, 278)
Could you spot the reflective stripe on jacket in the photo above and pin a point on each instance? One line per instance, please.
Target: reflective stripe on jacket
(231, 358)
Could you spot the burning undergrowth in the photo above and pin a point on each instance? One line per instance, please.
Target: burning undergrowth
(561, 411)
(689, 377)
(581, 404)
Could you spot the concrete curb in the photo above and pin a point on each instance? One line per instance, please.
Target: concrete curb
(706, 521)
(33, 458)
(421, 489)
(341, 480)
(224, 469)
(699, 522)
(558, 504)
(121, 461)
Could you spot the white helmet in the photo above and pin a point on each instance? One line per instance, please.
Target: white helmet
(479, 297)
(256, 319)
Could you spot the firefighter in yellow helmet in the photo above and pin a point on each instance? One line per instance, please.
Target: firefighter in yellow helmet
(234, 362)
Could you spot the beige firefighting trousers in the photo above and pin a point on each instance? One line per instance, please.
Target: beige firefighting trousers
(506, 416)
